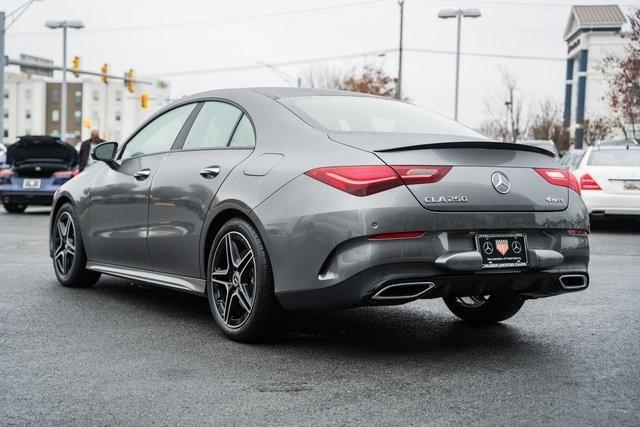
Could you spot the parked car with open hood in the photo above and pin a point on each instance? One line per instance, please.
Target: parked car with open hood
(38, 166)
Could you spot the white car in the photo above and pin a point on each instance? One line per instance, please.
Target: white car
(609, 178)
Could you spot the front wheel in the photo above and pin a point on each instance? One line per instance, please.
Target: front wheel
(14, 207)
(240, 284)
(484, 309)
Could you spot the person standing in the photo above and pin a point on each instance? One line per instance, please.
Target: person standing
(87, 146)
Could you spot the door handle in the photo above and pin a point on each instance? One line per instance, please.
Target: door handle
(210, 172)
(142, 174)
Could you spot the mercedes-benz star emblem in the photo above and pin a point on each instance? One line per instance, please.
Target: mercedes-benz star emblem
(500, 182)
(516, 247)
(487, 248)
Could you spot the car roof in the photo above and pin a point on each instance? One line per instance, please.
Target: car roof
(280, 92)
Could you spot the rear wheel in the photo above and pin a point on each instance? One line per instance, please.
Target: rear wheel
(14, 207)
(69, 257)
(484, 309)
(240, 284)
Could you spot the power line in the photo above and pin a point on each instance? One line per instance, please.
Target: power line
(353, 5)
(355, 55)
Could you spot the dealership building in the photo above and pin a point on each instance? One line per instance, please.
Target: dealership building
(32, 106)
(592, 33)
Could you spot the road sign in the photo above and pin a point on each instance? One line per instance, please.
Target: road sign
(33, 70)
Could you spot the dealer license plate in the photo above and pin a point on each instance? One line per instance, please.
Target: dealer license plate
(505, 250)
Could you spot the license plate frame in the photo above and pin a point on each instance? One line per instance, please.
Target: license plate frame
(492, 256)
(31, 183)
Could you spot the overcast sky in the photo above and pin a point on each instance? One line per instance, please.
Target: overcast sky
(167, 38)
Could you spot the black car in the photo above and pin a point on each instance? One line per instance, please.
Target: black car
(38, 166)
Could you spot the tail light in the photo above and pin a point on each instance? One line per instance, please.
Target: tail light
(5, 176)
(366, 180)
(64, 176)
(577, 232)
(588, 183)
(560, 177)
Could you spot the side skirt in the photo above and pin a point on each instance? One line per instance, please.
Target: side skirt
(191, 285)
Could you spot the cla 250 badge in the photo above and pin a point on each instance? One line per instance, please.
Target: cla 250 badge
(446, 199)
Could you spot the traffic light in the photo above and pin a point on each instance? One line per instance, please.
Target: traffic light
(75, 64)
(128, 81)
(144, 100)
(105, 70)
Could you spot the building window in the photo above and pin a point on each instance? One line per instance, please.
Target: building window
(27, 131)
(55, 115)
(78, 95)
(27, 94)
(118, 95)
(77, 115)
(96, 95)
(6, 114)
(6, 96)
(6, 133)
(27, 114)
(55, 96)
(118, 116)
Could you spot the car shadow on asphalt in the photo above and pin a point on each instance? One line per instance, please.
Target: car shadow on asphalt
(617, 226)
(372, 332)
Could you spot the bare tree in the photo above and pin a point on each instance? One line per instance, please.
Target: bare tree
(624, 90)
(506, 119)
(369, 78)
(546, 123)
(597, 129)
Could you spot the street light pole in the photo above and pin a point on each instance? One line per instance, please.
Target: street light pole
(455, 108)
(63, 95)
(459, 14)
(399, 84)
(63, 91)
(2, 65)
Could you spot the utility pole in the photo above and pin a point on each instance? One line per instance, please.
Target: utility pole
(2, 64)
(399, 84)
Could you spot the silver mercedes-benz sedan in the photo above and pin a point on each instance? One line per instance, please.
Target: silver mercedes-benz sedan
(266, 200)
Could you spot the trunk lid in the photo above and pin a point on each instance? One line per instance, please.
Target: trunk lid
(474, 165)
(40, 156)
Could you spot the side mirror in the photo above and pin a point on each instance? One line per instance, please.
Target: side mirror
(106, 152)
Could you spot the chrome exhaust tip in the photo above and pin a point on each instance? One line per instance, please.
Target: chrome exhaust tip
(403, 291)
(572, 282)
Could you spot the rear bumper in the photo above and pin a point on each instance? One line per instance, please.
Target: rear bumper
(602, 203)
(361, 289)
(27, 197)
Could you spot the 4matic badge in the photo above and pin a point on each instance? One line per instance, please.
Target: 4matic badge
(446, 199)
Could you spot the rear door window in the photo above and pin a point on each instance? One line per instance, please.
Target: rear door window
(213, 126)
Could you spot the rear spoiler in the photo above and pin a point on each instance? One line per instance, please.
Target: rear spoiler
(471, 144)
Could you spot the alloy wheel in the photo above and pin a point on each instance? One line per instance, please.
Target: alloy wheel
(472, 302)
(65, 244)
(233, 279)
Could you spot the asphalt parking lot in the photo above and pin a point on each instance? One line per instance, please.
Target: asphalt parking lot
(131, 354)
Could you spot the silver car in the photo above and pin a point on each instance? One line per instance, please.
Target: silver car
(267, 200)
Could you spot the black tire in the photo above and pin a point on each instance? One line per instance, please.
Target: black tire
(74, 274)
(496, 308)
(264, 318)
(14, 208)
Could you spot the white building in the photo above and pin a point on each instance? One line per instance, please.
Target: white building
(592, 33)
(32, 106)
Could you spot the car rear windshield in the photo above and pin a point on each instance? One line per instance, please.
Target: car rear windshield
(615, 158)
(368, 114)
